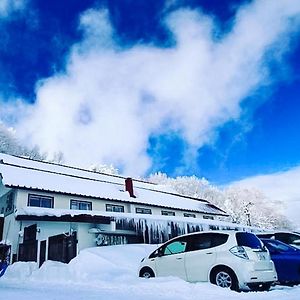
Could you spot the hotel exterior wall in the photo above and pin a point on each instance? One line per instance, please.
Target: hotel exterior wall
(62, 201)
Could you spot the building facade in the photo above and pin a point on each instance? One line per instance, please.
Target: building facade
(50, 211)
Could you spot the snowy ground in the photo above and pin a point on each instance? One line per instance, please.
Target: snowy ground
(111, 273)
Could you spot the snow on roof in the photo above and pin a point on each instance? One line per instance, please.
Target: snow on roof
(31, 174)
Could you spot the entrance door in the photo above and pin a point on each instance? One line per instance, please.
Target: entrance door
(170, 262)
(62, 248)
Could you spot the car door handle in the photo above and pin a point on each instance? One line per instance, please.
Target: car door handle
(179, 258)
(209, 253)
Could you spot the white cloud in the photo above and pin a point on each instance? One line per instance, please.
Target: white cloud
(281, 186)
(110, 100)
(8, 6)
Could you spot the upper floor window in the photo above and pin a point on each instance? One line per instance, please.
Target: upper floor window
(167, 213)
(40, 201)
(208, 217)
(189, 215)
(114, 208)
(80, 205)
(140, 210)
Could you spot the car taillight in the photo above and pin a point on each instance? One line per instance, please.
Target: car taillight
(239, 251)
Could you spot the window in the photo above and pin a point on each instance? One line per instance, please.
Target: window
(9, 202)
(80, 205)
(208, 217)
(248, 239)
(206, 240)
(188, 215)
(114, 208)
(140, 210)
(40, 201)
(175, 247)
(286, 237)
(167, 213)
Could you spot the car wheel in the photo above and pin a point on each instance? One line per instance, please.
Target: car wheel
(225, 278)
(146, 273)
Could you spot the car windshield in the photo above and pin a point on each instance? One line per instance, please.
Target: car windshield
(248, 240)
(278, 246)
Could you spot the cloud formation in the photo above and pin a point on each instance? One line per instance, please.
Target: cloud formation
(9, 6)
(282, 186)
(110, 100)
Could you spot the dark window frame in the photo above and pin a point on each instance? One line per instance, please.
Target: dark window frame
(114, 205)
(79, 202)
(189, 215)
(168, 213)
(39, 198)
(145, 211)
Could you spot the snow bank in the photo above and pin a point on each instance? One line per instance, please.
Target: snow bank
(111, 263)
(111, 273)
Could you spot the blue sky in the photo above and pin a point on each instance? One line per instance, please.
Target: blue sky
(207, 88)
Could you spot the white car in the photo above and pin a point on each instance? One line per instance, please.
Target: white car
(231, 259)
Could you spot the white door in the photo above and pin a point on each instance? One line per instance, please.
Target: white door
(171, 261)
(200, 256)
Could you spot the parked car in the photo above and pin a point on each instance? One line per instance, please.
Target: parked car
(287, 237)
(286, 259)
(230, 259)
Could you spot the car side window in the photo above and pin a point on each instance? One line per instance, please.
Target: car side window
(199, 242)
(287, 238)
(206, 241)
(219, 239)
(175, 247)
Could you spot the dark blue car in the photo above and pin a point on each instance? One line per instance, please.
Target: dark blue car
(286, 259)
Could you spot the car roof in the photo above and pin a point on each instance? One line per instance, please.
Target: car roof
(277, 231)
(229, 232)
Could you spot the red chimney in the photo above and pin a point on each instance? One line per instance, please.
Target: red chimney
(129, 187)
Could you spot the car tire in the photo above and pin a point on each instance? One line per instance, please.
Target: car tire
(146, 273)
(225, 277)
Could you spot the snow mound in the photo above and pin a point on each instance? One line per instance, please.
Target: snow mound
(111, 263)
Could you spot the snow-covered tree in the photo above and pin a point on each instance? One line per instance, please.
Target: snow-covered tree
(107, 169)
(9, 144)
(244, 205)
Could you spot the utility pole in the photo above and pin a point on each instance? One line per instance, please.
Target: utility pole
(247, 213)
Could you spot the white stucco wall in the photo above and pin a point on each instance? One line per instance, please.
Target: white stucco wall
(63, 202)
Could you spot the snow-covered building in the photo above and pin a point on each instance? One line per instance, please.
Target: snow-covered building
(51, 211)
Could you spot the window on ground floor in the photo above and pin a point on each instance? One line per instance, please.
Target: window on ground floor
(40, 201)
(140, 210)
(80, 205)
(114, 208)
(167, 213)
